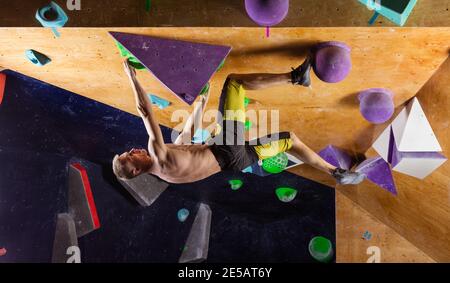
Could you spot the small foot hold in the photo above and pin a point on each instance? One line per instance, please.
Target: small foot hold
(286, 194)
(302, 74)
(347, 177)
(182, 214)
(235, 184)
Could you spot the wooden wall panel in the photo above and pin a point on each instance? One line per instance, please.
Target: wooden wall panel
(421, 211)
(351, 223)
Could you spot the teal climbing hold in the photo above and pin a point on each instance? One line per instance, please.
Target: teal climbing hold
(201, 136)
(182, 214)
(130, 57)
(275, 164)
(52, 16)
(158, 101)
(235, 184)
(249, 169)
(396, 11)
(286, 194)
(321, 249)
(37, 58)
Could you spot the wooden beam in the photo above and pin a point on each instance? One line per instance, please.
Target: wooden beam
(200, 13)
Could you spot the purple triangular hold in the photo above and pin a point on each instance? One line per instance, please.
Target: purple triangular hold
(183, 67)
(379, 172)
(336, 157)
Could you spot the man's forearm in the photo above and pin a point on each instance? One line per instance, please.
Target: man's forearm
(193, 122)
(142, 102)
(144, 108)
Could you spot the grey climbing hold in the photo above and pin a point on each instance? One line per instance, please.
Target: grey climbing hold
(197, 243)
(65, 237)
(80, 210)
(145, 188)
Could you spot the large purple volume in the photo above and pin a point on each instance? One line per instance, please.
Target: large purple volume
(336, 157)
(378, 171)
(183, 67)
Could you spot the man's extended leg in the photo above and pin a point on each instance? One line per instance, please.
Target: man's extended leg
(271, 145)
(299, 75)
(307, 155)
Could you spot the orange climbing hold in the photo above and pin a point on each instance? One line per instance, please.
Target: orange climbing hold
(2, 86)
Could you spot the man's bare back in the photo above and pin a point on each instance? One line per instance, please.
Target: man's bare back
(186, 164)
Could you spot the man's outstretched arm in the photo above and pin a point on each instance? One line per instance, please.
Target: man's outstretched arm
(186, 135)
(144, 107)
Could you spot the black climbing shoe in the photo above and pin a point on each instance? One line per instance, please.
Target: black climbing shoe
(301, 74)
(346, 177)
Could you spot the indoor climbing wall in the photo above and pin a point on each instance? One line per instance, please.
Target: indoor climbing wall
(62, 128)
(378, 104)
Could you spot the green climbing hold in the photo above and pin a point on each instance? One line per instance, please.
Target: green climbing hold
(275, 164)
(321, 249)
(235, 184)
(205, 89)
(220, 65)
(248, 125)
(286, 194)
(131, 59)
(135, 63)
(246, 102)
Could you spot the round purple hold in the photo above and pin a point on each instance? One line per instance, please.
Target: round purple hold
(332, 62)
(267, 13)
(376, 104)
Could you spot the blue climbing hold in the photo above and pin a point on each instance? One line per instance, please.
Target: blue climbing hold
(201, 136)
(37, 58)
(52, 16)
(249, 169)
(183, 214)
(158, 101)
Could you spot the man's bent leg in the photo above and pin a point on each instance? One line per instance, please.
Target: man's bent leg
(289, 142)
(307, 155)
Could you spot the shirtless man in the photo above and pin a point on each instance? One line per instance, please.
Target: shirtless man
(227, 150)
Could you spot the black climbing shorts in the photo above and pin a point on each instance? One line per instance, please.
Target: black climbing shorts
(228, 144)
